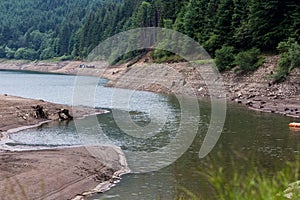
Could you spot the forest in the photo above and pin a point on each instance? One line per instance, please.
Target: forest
(70, 29)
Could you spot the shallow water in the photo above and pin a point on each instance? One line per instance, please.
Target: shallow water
(247, 137)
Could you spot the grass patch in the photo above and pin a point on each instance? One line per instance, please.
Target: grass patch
(250, 182)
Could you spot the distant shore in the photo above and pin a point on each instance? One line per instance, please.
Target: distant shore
(254, 90)
(51, 174)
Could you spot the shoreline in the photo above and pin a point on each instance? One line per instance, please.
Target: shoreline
(254, 90)
(69, 172)
(251, 90)
(22, 170)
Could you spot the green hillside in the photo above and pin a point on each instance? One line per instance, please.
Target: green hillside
(41, 29)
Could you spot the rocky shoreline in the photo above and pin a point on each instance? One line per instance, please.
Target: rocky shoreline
(256, 90)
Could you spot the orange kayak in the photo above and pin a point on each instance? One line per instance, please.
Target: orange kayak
(294, 125)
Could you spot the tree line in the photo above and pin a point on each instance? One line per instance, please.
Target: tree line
(42, 29)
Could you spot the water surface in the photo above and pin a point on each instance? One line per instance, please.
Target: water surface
(248, 137)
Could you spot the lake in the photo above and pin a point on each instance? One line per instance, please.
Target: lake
(142, 124)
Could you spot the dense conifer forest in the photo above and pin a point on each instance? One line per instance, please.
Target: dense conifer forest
(43, 29)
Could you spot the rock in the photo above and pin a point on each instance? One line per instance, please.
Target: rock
(238, 101)
(200, 89)
(249, 103)
(251, 96)
(293, 188)
(39, 112)
(64, 114)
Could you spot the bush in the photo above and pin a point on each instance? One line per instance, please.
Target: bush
(47, 53)
(27, 54)
(10, 53)
(212, 44)
(289, 59)
(224, 58)
(249, 60)
(65, 58)
(162, 56)
(2, 52)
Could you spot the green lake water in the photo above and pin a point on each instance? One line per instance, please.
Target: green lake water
(248, 138)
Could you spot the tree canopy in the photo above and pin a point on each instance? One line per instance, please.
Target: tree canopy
(42, 29)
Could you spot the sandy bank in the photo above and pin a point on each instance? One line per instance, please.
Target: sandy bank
(59, 173)
(56, 173)
(17, 112)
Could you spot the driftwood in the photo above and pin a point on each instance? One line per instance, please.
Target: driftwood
(64, 114)
(39, 112)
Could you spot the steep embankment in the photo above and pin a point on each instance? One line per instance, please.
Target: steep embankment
(258, 92)
(255, 90)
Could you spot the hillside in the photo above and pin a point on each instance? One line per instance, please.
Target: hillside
(37, 29)
(42, 29)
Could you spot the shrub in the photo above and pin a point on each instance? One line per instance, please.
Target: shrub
(27, 54)
(10, 53)
(289, 59)
(2, 52)
(47, 53)
(212, 44)
(162, 56)
(65, 58)
(224, 58)
(249, 60)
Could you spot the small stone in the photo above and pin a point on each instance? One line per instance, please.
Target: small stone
(251, 96)
(249, 103)
(200, 89)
